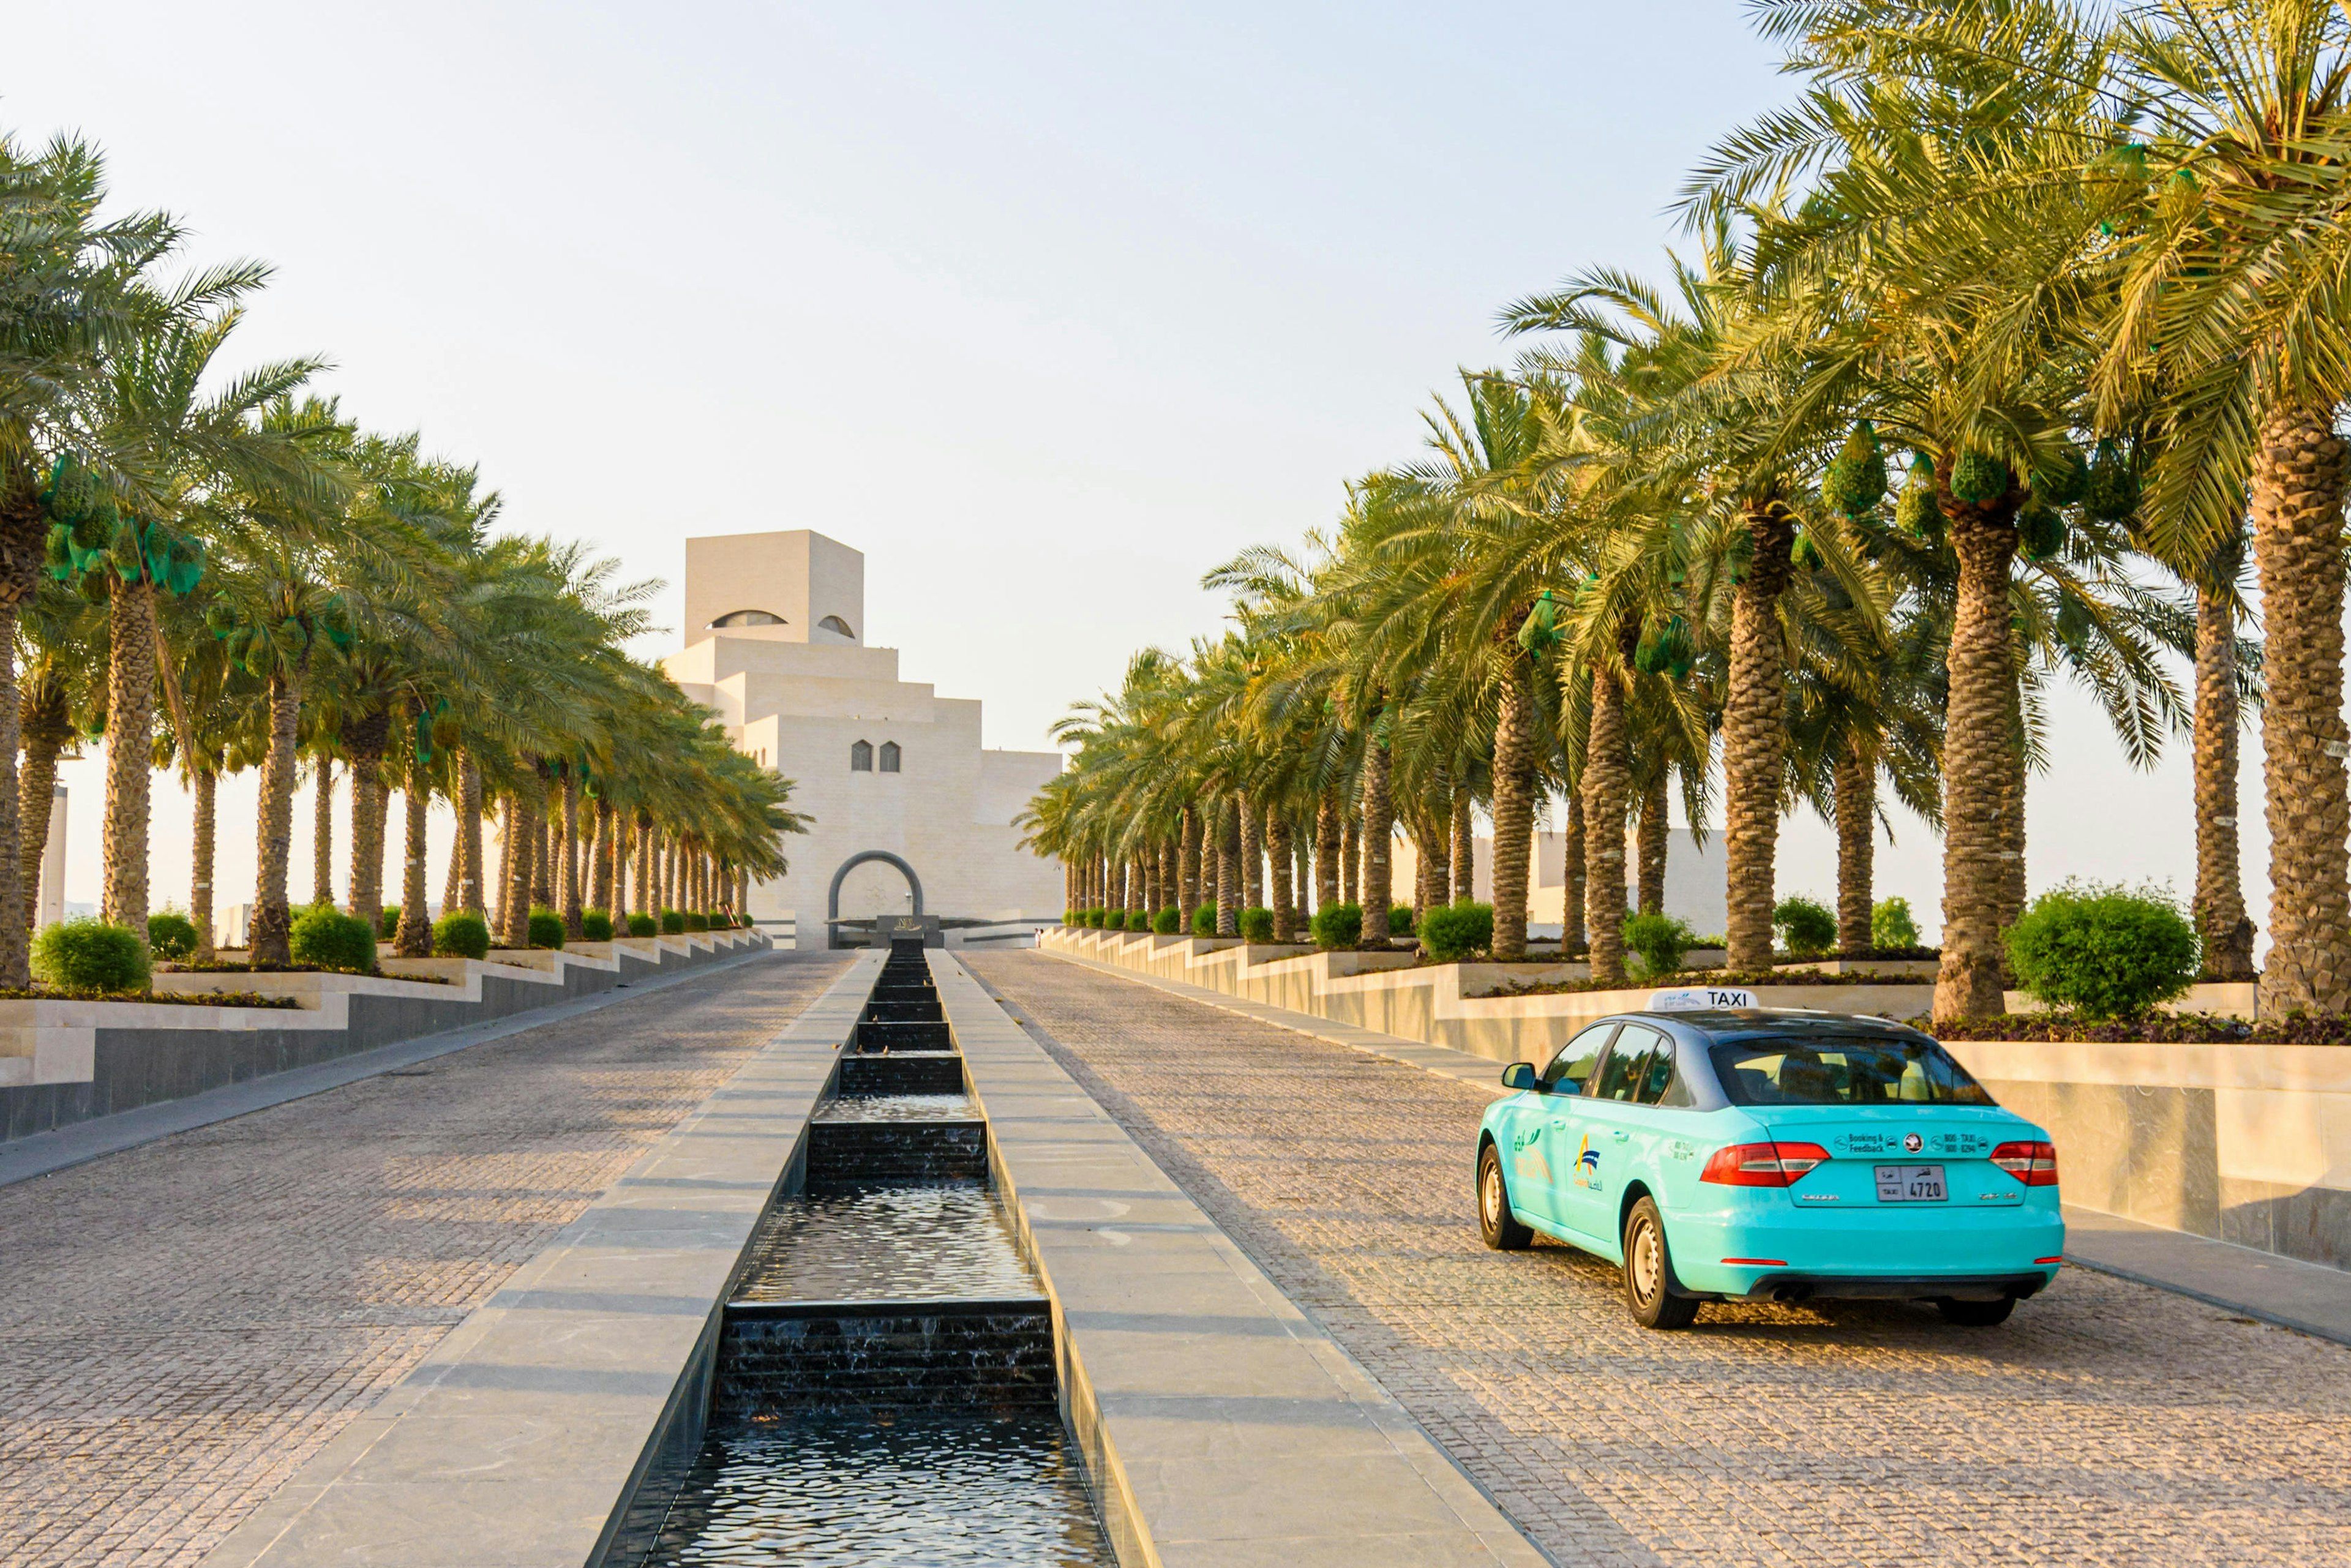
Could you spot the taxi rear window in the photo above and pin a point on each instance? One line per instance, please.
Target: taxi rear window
(1834, 1071)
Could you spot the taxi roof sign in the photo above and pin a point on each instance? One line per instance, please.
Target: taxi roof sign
(1700, 999)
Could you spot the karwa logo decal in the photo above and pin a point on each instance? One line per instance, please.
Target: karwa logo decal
(1587, 1165)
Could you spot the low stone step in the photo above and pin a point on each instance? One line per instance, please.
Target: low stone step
(775, 1356)
(878, 1036)
(895, 1151)
(900, 1072)
(906, 1012)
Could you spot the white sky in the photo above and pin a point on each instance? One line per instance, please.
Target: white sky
(1045, 307)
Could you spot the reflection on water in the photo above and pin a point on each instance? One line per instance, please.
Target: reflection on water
(901, 1108)
(911, 1242)
(928, 1491)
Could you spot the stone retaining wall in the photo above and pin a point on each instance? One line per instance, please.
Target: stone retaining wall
(66, 1062)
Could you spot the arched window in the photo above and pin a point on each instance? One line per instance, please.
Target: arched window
(748, 617)
(835, 624)
(889, 757)
(860, 757)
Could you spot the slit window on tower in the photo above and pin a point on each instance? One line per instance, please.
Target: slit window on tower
(889, 757)
(860, 757)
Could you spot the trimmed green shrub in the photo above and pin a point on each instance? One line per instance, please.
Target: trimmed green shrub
(388, 926)
(546, 928)
(1400, 920)
(461, 934)
(1452, 932)
(643, 926)
(1807, 926)
(596, 925)
(1204, 920)
(695, 920)
(672, 923)
(170, 935)
(326, 937)
(1660, 940)
(1167, 921)
(1114, 919)
(2104, 950)
(1257, 925)
(1337, 927)
(1891, 925)
(88, 954)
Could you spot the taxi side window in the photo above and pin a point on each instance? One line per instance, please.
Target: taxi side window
(1572, 1068)
(1660, 1085)
(1620, 1075)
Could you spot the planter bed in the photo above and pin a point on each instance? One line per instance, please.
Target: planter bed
(2156, 1028)
(169, 999)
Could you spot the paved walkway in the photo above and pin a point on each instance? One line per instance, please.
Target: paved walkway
(186, 1323)
(2107, 1423)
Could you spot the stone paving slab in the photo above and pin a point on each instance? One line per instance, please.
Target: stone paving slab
(514, 1443)
(1221, 1426)
(2107, 1423)
(187, 1323)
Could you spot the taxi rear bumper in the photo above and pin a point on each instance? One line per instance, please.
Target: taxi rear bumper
(1792, 1285)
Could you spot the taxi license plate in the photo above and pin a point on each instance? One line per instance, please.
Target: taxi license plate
(1911, 1183)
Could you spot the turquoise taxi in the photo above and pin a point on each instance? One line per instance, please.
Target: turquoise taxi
(1719, 1151)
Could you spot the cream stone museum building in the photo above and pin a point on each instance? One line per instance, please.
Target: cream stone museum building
(911, 814)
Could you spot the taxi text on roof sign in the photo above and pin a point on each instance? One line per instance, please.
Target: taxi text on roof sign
(1700, 999)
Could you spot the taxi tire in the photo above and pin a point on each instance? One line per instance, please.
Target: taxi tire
(1501, 1231)
(1976, 1315)
(1665, 1307)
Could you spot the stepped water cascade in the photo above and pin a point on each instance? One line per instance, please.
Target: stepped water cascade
(881, 1389)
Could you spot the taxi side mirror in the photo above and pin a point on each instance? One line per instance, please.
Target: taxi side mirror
(1518, 1075)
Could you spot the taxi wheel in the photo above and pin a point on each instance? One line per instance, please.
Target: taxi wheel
(1496, 1223)
(1650, 1287)
(1976, 1315)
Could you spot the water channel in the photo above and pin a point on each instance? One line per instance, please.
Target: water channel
(882, 1388)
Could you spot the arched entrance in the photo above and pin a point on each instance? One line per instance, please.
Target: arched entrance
(832, 898)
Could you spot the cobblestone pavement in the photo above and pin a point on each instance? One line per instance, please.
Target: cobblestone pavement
(186, 1323)
(2106, 1423)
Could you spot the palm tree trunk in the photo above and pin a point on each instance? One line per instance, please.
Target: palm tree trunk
(606, 881)
(1330, 848)
(498, 916)
(569, 870)
(1650, 873)
(1607, 795)
(1350, 859)
(1168, 852)
(1856, 825)
(543, 843)
(2297, 505)
(1755, 737)
(200, 890)
(1379, 833)
(1513, 813)
(413, 939)
(1228, 871)
(366, 739)
(15, 587)
(1252, 853)
(453, 882)
(2221, 917)
(46, 726)
(520, 834)
(272, 918)
(1465, 847)
(2011, 809)
(645, 879)
(1979, 735)
(1138, 874)
(1571, 847)
(1187, 867)
(322, 834)
(473, 887)
(1277, 849)
(129, 751)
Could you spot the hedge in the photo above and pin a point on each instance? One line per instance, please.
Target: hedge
(1452, 932)
(170, 935)
(325, 936)
(85, 953)
(461, 934)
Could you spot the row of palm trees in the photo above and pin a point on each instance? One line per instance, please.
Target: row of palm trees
(2006, 352)
(218, 571)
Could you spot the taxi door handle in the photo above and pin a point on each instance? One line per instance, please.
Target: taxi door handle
(1621, 1135)
(1557, 1121)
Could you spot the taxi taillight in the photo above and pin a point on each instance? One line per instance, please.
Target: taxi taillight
(2035, 1165)
(1762, 1165)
